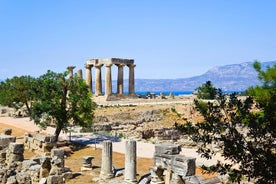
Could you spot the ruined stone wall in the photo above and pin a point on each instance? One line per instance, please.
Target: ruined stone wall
(39, 142)
(43, 170)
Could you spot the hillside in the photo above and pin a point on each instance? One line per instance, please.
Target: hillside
(235, 77)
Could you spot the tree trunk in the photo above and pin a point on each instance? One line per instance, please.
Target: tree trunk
(57, 132)
(28, 108)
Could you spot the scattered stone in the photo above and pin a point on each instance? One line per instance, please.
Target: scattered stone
(87, 163)
(7, 131)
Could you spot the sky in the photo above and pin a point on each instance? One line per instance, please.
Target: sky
(168, 39)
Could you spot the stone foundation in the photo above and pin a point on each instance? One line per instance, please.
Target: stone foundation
(39, 143)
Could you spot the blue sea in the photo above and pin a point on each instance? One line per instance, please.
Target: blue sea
(175, 93)
(179, 93)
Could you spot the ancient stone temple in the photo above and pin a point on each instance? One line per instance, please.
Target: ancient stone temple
(108, 63)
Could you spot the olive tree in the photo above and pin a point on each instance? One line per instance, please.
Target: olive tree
(67, 101)
(17, 92)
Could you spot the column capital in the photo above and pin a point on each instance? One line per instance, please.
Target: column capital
(131, 65)
(120, 65)
(98, 65)
(108, 65)
(88, 66)
(70, 67)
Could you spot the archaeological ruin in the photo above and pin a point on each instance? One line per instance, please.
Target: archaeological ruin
(108, 63)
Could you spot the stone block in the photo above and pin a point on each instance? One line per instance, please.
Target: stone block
(40, 137)
(26, 164)
(23, 178)
(14, 157)
(16, 148)
(5, 140)
(87, 159)
(163, 161)
(57, 152)
(55, 180)
(50, 139)
(7, 131)
(183, 166)
(67, 176)
(168, 149)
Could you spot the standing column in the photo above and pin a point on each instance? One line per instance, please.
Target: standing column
(79, 73)
(120, 80)
(106, 168)
(98, 90)
(70, 70)
(108, 80)
(89, 76)
(130, 162)
(131, 79)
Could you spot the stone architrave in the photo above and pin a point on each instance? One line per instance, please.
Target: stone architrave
(89, 76)
(131, 79)
(130, 162)
(120, 80)
(106, 167)
(98, 85)
(108, 80)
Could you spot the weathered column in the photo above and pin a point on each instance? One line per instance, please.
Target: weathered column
(98, 85)
(130, 162)
(79, 73)
(108, 80)
(131, 79)
(89, 76)
(120, 80)
(70, 70)
(106, 168)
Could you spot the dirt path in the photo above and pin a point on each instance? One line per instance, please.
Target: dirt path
(22, 125)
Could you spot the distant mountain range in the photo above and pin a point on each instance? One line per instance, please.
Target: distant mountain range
(235, 77)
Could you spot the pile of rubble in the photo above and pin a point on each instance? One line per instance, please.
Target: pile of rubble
(14, 169)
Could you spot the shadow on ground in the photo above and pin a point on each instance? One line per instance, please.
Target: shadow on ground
(91, 138)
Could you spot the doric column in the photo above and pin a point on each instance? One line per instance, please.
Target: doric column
(79, 73)
(131, 79)
(120, 80)
(130, 161)
(106, 168)
(108, 80)
(98, 90)
(70, 70)
(89, 76)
